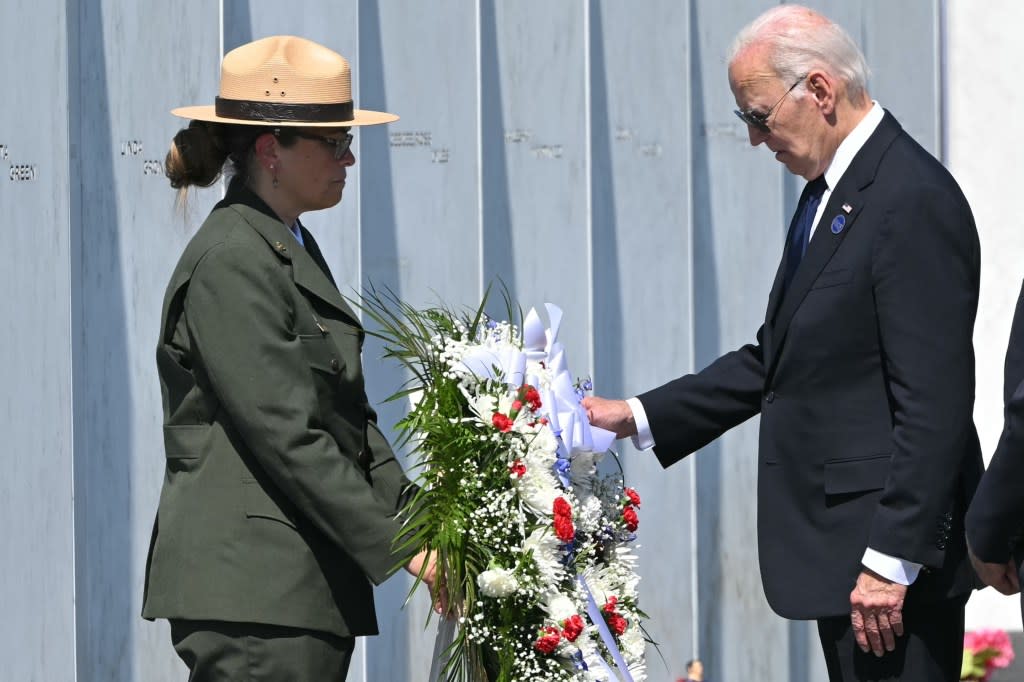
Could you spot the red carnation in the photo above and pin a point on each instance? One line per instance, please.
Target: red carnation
(616, 622)
(631, 519)
(572, 628)
(533, 397)
(562, 507)
(548, 640)
(501, 422)
(564, 529)
(634, 497)
(517, 469)
(610, 604)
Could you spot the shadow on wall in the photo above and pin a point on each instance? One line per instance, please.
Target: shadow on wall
(237, 24)
(498, 263)
(380, 258)
(607, 280)
(102, 399)
(707, 347)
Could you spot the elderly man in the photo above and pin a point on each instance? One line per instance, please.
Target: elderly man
(863, 371)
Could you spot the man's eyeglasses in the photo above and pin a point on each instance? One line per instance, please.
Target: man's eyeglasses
(340, 145)
(760, 120)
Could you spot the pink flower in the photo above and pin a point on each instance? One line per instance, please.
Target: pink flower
(993, 645)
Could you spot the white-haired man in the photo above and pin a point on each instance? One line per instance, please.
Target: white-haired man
(863, 371)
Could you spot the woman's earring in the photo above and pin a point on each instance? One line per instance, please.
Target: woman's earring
(274, 169)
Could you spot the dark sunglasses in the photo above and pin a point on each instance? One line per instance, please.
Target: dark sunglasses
(760, 120)
(340, 145)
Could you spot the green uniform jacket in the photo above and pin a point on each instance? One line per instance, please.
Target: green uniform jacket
(280, 495)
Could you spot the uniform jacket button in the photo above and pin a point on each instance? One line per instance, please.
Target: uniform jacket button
(770, 397)
(334, 364)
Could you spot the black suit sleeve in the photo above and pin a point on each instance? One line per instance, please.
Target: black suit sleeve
(996, 515)
(689, 412)
(925, 267)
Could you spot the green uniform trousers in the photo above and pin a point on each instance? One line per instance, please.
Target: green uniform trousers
(216, 651)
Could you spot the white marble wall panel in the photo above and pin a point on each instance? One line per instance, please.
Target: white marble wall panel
(534, 148)
(642, 327)
(739, 223)
(420, 226)
(37, 631)
(131, 63)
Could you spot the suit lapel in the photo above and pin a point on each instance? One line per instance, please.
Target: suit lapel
(845, 204)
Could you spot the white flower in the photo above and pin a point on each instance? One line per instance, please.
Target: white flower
(538, 490)
(497, 582)
(546, 553)
(483, 406)
(632, 642)
(561, 607)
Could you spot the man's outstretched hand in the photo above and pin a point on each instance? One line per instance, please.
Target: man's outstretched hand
(610, 415)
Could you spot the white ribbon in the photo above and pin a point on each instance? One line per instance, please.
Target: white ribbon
(567, 417)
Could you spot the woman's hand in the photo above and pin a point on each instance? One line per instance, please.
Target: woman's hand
(424, 566)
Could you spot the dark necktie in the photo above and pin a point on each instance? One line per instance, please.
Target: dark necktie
(798, 238)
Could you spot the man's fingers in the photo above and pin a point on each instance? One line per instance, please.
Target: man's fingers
(1012, 581)
(886, 630)
(857, 620)
(896, 621)
(873, 634)
(1004, 585)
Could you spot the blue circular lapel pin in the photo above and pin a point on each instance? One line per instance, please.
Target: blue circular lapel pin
(838, 223)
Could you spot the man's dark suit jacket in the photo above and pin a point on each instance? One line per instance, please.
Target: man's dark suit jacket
(995, 519)
(863, 374)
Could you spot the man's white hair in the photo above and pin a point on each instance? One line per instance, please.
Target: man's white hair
(799, 40)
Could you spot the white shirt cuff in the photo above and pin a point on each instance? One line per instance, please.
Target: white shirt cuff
(895, 569)
(643, 440)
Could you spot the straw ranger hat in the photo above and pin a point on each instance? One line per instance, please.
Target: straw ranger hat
(285, 81)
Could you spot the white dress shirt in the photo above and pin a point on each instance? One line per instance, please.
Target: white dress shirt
(895, 569)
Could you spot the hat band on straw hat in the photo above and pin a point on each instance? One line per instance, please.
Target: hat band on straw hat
(250, 110)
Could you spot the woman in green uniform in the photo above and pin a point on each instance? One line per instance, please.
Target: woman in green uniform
(279, 506)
